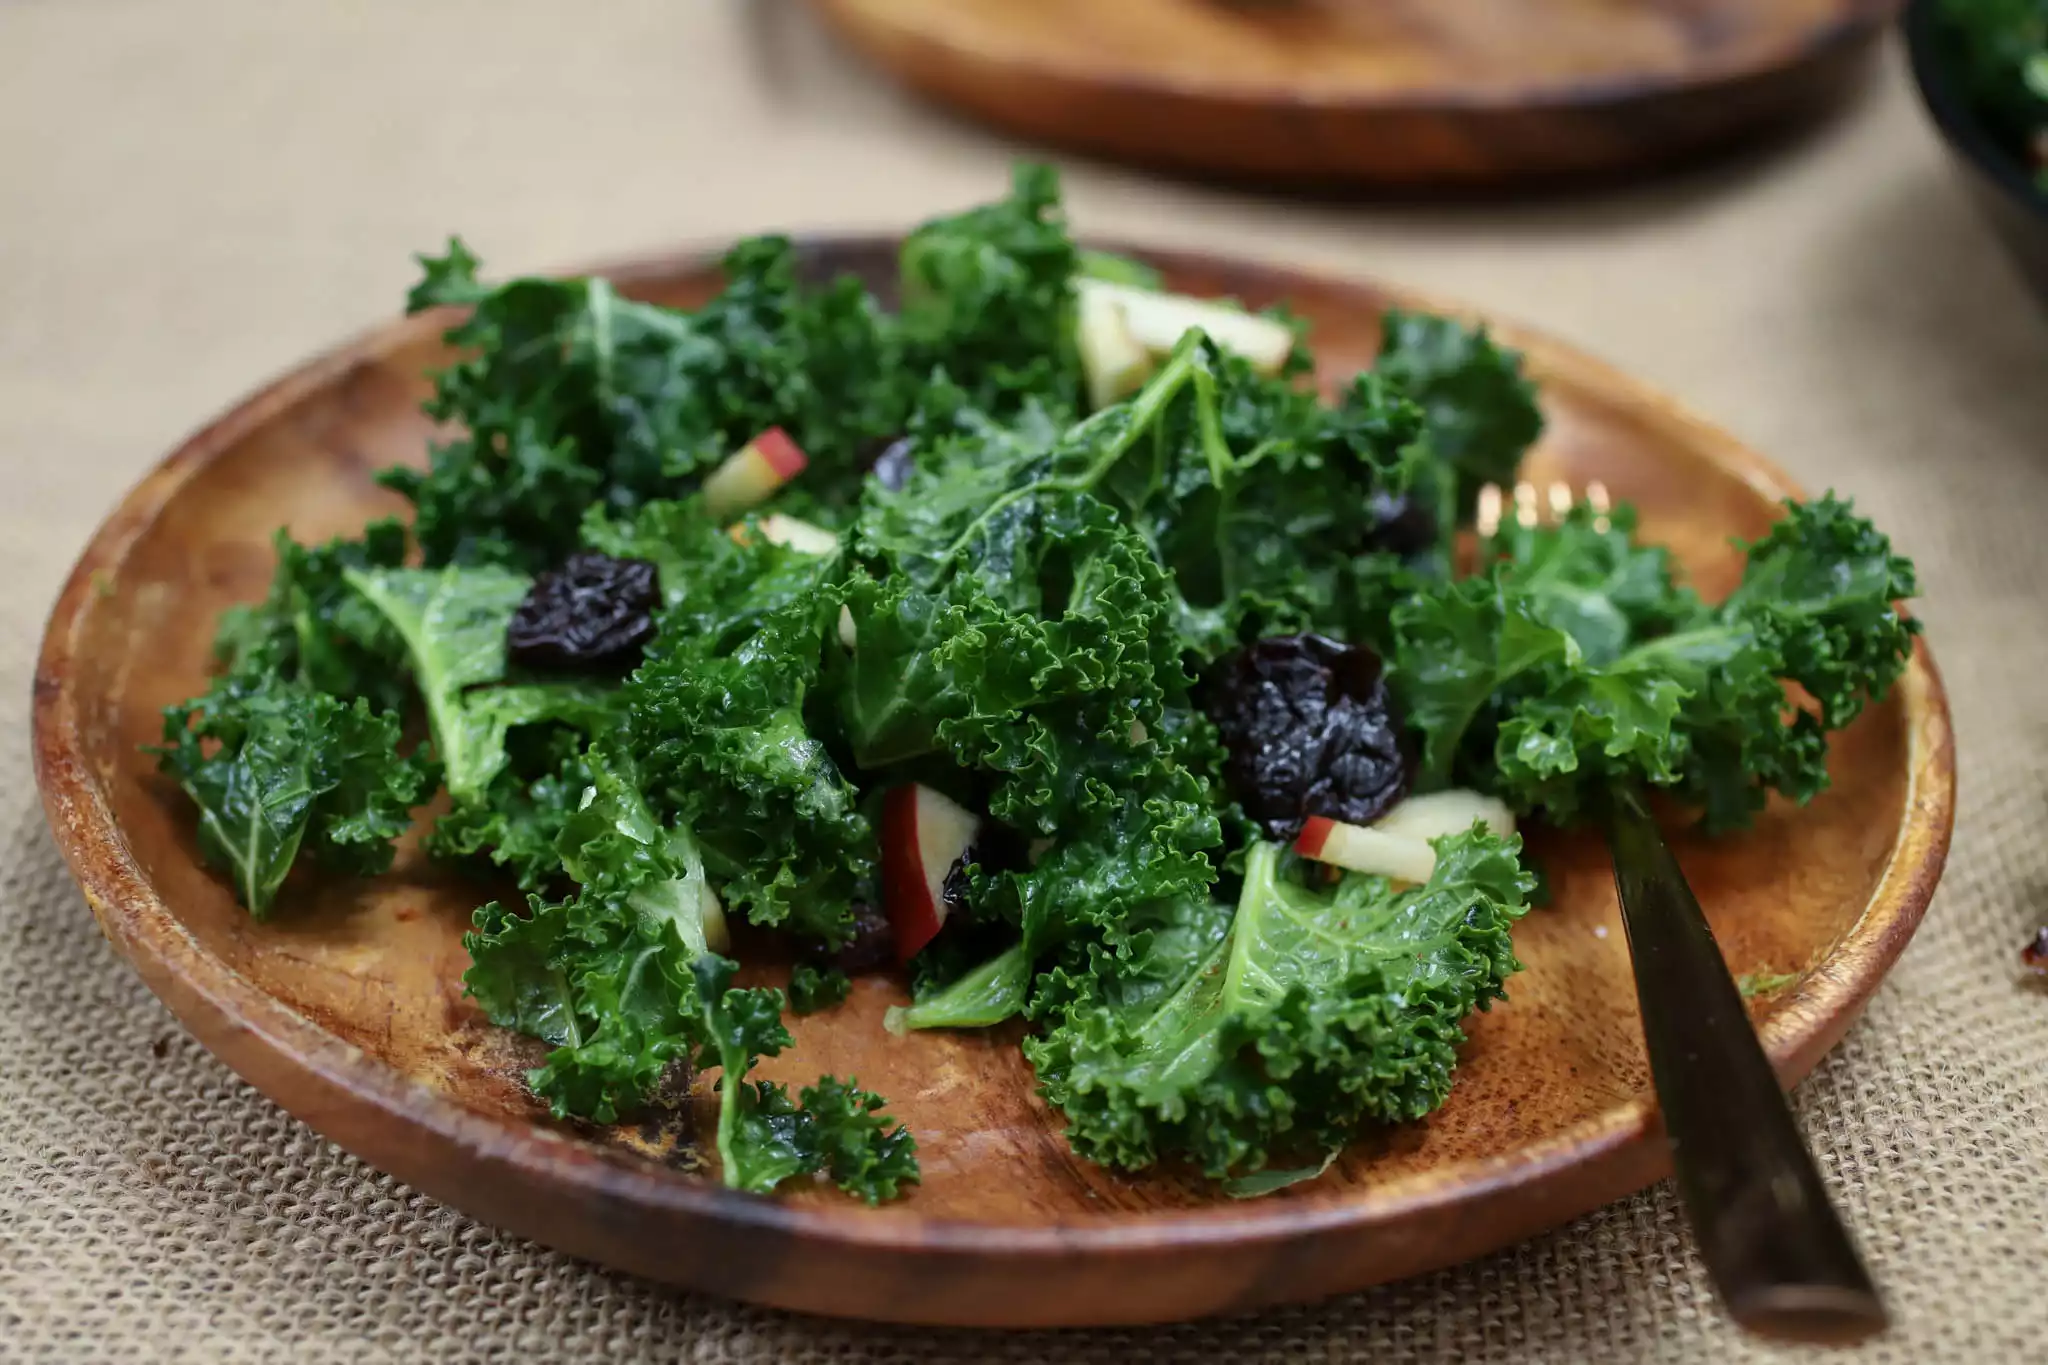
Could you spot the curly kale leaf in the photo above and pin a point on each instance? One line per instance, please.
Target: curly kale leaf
(1007, 621)
(1263, 505)
(620, 981)
(277, 768)
(604, 976)
(572, 396)
(988, 296)
(717, 723)
(312, 626)
(1480, 412)
(1232, 1037)
(453, 624)
(1576, 662)
(1258, 503)
(517, 820)
(813, 988)
(764, 1138)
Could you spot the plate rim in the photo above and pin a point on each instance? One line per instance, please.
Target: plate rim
(264, 1040)
(1837, 37)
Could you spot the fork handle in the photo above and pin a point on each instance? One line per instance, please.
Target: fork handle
(1774, 1247)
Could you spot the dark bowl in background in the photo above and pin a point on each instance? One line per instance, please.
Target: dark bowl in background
(2002, 183)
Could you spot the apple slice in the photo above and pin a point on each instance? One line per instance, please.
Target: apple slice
(711, 914)
(1158, 321)
(1359, 848)
(1447, 812)
(1113, 362)
(924, 832)
(752, 473)
(804, 537)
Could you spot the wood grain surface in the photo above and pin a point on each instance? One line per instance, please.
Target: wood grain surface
(1375, 91)
(348, 1010)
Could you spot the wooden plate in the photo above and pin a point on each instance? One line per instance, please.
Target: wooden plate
(1375, 91)
(348, 1009)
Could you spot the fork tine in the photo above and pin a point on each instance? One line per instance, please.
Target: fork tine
(1525, 504)
(1560, 500)
(1597, 499)
(1487, 517)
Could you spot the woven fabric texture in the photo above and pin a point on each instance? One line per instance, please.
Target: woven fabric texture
(194, 195)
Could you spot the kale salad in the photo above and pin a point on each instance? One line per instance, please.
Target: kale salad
(1048, 640)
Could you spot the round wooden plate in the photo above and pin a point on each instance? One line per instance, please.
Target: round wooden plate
(1375, 91)
(347, 1009)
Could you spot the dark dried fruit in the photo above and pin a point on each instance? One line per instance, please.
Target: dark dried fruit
(594, 614)
(1401, 524)
(873, 944)
(957, 886)
(1311, 729)
(895, 463)
(2035, 954)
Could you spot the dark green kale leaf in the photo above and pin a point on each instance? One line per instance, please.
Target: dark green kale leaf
(1007, 620)
(621, 982)
(453, 624)
(516, 821)
(813, 988)
(764, 1138)
(511, 752)
(277, 768)
(717, 722)
(570, 395)
(314, 627)
(988, 297)
(1232, 1037)
(1480, 412)
(1263, 505)
(1575, 662)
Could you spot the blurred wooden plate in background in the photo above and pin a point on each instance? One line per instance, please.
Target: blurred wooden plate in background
(1376, 92)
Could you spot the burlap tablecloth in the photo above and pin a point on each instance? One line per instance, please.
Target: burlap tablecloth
(194, 195)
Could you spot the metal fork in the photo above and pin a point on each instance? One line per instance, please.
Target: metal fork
(1774, 1246)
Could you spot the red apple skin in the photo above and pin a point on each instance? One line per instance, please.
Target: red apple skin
(1315, 832)
(781, 453)
(905, 893)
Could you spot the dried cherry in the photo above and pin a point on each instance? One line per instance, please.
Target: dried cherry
(873, 944)
(1400, 524)
(894, 462)
(1310, 729)
(594, 614)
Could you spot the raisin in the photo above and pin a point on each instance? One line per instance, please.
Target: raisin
(998, 848)
(1310, 729)
(594, 614)
(894, 462)
(873, 943)
(1400, 524)
(2035, 953)
(954, 893)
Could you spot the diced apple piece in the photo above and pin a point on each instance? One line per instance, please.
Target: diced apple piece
(751, 474)
(924, 832)
(1157, 322)
(711, 914)
(1112, 361)
(1447, 812)
(1361, 849)
(793, 532)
